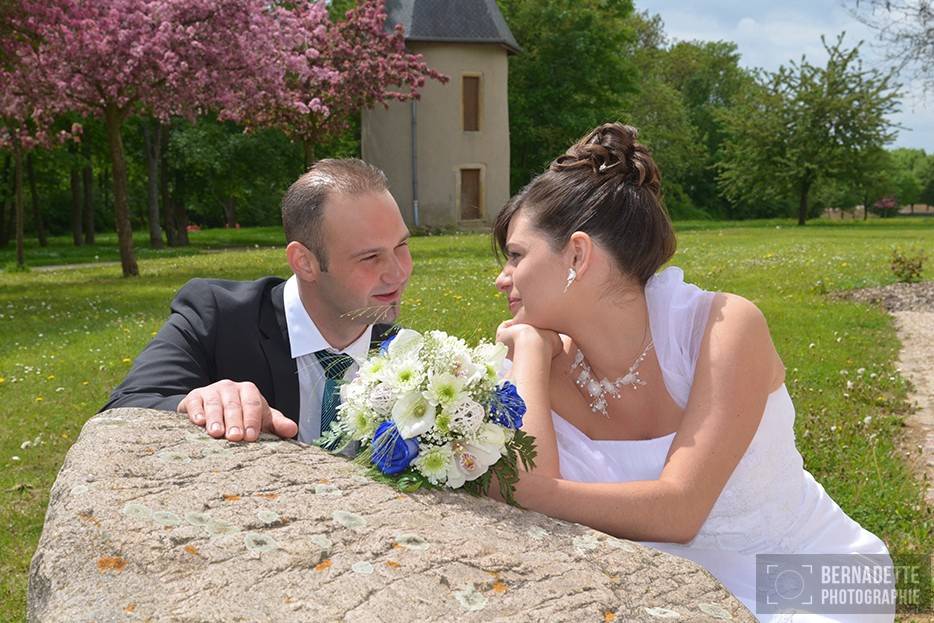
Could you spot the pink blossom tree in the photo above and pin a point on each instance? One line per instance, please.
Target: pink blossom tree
(25, 122)
(263, 64)
(349, 65)
(114, 58)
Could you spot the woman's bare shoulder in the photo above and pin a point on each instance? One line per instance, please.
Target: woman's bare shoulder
(737, 322)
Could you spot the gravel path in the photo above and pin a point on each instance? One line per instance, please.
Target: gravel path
(912, 305)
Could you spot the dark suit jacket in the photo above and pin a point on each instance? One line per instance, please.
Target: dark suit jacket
(219, 330)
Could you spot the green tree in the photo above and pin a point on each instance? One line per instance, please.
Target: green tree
(570, 77)
(709, 78)
(927, 190)
(910, 170)
(804, 123)
(227, 177)
(658, 110)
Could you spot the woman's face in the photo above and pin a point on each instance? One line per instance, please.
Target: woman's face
(534, 276)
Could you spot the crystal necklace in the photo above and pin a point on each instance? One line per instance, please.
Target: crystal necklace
(599, 390)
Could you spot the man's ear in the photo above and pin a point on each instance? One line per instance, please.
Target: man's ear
(580, 252)
(302, 261)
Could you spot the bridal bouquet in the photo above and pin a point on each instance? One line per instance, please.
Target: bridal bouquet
(428, 410)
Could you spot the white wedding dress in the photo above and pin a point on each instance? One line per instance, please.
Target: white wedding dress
(770, 504)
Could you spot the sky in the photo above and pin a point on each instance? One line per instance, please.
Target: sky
(770, 34)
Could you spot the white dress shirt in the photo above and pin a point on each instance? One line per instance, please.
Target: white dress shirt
(305, 339)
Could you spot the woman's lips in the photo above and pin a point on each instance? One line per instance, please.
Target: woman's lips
(514, 304)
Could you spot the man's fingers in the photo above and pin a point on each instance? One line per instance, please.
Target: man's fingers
(280, 425)
(232, 410)
(194, 407)
(213, 412)
(254, 411)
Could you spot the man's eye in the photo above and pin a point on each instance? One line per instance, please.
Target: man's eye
(369, 258)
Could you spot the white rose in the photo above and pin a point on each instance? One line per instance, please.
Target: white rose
(406, 343)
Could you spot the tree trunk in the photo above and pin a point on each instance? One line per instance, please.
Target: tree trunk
(866, 207)
(113, 119)
(803, 203)
(36, 213)
(152, 141)
(180, 210)
(230, 213)
(18, 202)
(168, 208)
(77, 235)
(10, 225)
(88, 184)
(105, 185)
(7, 205)
(309, 147)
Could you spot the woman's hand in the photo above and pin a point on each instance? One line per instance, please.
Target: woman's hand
(518, 336)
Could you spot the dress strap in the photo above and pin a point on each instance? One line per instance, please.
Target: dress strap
(678, 314)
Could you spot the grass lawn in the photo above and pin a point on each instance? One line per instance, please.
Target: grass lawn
(61, 250)
(69, 336)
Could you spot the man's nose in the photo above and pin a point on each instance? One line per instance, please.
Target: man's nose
(396, 272)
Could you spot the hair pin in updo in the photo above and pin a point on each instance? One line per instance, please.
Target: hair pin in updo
(604, 166)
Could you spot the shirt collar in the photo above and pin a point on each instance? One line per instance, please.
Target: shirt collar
(304, 336)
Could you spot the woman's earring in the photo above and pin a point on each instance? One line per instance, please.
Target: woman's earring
(572, 275)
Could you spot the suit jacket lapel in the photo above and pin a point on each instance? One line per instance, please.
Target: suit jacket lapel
(275, 345)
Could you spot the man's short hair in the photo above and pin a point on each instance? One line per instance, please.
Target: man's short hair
(303, 204)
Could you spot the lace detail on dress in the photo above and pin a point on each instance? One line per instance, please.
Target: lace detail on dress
(760, 504)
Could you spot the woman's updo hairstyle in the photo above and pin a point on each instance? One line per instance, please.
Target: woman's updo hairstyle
(605, 185)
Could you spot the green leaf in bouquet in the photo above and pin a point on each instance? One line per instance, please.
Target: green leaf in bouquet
(411, 482)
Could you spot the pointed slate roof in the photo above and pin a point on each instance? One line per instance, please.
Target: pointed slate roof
(461, 21)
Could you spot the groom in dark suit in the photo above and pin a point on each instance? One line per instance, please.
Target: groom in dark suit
(244, 357)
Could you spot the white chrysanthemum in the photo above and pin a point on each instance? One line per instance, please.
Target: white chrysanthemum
(466, 416)
(406, 344)
(404, 375)
(444, 389)
(433, 462)
(413, 414)
(371, 370)
(360, 423)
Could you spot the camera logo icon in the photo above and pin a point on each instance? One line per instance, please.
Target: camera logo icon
(784, 584)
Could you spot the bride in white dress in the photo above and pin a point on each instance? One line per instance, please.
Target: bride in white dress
(659, 409)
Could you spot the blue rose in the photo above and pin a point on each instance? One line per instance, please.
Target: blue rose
(391, 453)
(384, 345)
(507, 406)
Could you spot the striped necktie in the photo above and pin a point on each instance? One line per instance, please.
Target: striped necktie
(335, 365)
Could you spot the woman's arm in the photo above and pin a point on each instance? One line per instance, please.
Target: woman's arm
(735, 372)
(532, 351)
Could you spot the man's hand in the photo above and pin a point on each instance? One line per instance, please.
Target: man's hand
(236, 411)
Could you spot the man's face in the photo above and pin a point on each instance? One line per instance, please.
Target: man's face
(368, 259)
